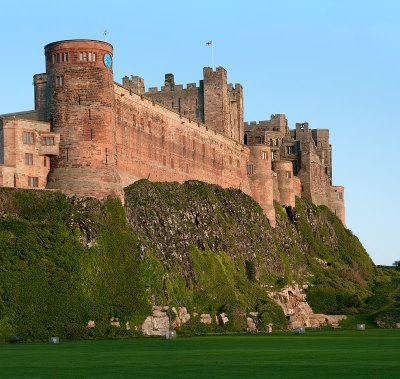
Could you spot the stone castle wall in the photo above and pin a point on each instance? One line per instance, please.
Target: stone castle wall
(155, 143)
(25, 162)
(110, 135)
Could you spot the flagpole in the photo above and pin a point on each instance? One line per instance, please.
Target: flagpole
(212, 55)
(210, 43)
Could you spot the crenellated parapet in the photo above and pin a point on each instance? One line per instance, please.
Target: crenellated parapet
(91, 136)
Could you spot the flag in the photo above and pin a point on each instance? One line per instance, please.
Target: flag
(209, 43)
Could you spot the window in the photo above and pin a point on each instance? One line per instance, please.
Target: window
(47, 140)
(264, 155)
(272, 155)
(87, 56)
(288, 174)
(33, 181)
(29, 159)
(60, 57)
(59, 81)
(56, 58)
(250, 169)
(29, 138)
(340, 195)
(44, 161)
(289, 149)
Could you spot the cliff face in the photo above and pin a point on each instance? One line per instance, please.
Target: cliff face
(193, 256)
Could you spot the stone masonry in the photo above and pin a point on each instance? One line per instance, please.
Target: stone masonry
(91, 136)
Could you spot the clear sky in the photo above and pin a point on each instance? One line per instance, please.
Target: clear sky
(333, 63)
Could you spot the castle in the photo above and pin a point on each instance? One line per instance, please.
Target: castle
(91, 136)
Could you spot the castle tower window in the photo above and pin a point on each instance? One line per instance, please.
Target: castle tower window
(83, 56)
(64, 57)
(264, 155)
(33, 181)
(48, 140)
(289, 149)
(56, 58)
(245, 139)
(29, 159)
(29, 138)
(59, 81)
(288, 174)
(340, 195)
(250, 169)
(272, 155)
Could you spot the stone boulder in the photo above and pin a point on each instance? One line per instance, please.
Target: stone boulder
(157, 324)
(223, 319)
(205, 318)
(251, 325)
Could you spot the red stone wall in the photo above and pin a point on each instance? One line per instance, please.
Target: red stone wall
(337, 202)
(261, 180)
(82, 111)
(14, 169)
(284, 171)
(156, 143)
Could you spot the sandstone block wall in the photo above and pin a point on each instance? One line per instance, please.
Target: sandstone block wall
(284, 171)
(337, 202)
(80, 92)
(16, 168)
(155, 143)
(261, 180)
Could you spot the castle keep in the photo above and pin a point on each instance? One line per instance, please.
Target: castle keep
(91, 136)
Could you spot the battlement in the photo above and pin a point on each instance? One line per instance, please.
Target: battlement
(99, 138)
(275, 119)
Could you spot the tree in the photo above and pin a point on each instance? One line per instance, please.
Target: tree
(396, 264)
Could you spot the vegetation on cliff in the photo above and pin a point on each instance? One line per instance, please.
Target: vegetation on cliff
(65, 261)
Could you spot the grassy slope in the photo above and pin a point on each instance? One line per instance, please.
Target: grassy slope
(321, 354)
(196, 245)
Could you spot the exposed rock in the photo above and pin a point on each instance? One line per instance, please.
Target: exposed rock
(91, 324)
(183, 315)
(251, 326)
(158, 324)
(294, 304)
(158, 313)
(223, 319)
(205, 318)
(114, 321)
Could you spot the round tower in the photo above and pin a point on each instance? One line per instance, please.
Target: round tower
(260, 177)
(284, 172)
(80, 104)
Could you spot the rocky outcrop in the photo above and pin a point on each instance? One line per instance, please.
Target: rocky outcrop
(294, 304)
(157, 324)
(160, 323)
(205, 318)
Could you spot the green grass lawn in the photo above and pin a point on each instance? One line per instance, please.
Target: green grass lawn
(322, 354)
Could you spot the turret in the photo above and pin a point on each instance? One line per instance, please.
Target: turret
(261, 184)
(80, 98)
(284, 172)
(336, 203)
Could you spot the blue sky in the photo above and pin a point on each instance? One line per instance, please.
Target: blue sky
(335, 64)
